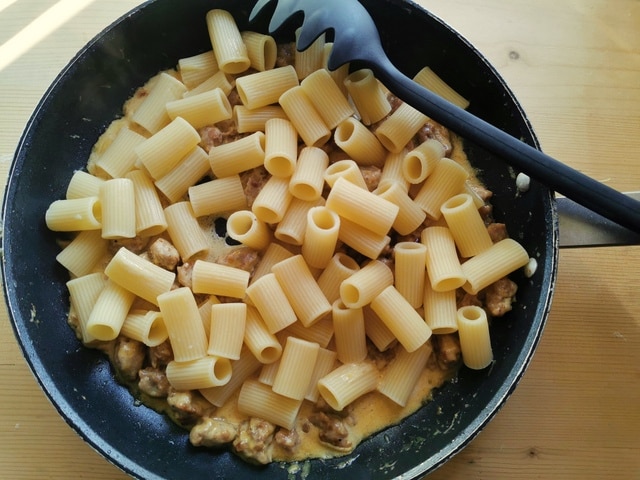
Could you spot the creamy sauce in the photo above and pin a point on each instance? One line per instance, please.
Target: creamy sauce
(369, 414)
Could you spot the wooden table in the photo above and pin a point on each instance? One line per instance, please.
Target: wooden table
(575, 66)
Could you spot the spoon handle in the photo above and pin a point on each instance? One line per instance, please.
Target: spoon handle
(559, 177)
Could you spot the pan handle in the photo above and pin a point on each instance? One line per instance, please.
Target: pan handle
(580, 227)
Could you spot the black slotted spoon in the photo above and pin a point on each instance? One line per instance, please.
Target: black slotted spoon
(356, 38)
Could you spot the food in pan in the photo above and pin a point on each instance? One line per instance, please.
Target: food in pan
(268, 251)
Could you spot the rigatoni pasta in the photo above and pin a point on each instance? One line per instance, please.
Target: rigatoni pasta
(230, 312)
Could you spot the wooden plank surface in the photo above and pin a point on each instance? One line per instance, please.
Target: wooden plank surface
(575, 67)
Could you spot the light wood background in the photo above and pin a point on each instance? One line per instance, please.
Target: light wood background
(575, 67)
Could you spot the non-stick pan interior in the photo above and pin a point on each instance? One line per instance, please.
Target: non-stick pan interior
(89, 94)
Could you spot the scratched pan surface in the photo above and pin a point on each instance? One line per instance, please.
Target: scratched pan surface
(89, 94)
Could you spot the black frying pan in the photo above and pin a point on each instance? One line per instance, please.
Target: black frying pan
(89, 94)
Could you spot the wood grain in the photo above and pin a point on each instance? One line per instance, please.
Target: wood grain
(575, 67)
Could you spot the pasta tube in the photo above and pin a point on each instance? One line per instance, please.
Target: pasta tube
(302, 290)
(359, 143)
(362, 207)
(443, 265)
(401, 375)
(227, 329)
(259, 400)
(281, 147)
(203, 372)
(401, 318)
(182, 319)
(228, 47)
(242, 369)
(368, 96)
(349, 333)
(475, 340)
(74, 215)
(364, 285)
(346, 383)
(321, 236)
(138, 275)
(493, 264)
(296, 368)
(466, 225)
(410, 260)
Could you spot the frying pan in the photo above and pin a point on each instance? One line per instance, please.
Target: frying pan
(89, 94)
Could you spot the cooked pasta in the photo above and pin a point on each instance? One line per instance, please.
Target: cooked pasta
(261, 49)
(302, 290)
(254, 120)
(340, 267)
(263, 344)
(83, 252)
(216, 196)
(83, 294)
(272, 202)
(364, 285)
(259, 400)
(307, 180)
(244, 227)
(447, 180)
(76, 214)
(311, 59)
(400, 377)
(349, 333)
(410, 215)
(148, 212)
(226, 334)
(242, 369)
(182, 319)
(359, 143)
(440, 310)
(228, 47)
(217, 279)
(296, 367)
(151, 114)
(443, 266)
(200, 373)
(409, 271)
(362, 207)
(269, 298)
(175, 184)
(239, 156)
(475, 340)
(329, 296)
(109, 312)
(396, 131)
(184, 230)
(164, 150)
(327, 98)
(368, 96)
(292, 227)
(305, 118)
(420, 162)
(146, 326)
(429, 79)
(501, 259)
(321, 236)
(202, 109)
(198, 68)
(348, 169)
(401, 318)
(466, 225)
(343, 385)
(119, 158)
(265, 88)
(139, 275)
(281, 147)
